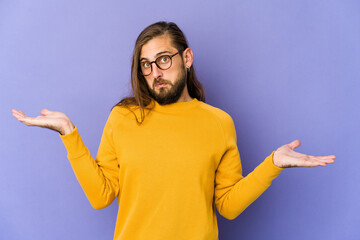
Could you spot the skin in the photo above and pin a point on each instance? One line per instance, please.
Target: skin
(167, 95)
(284, 156)
(169, 76)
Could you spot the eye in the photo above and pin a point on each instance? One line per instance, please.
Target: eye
(164, 59)
(145, 64)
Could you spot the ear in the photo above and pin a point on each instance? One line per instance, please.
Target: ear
(188, 57)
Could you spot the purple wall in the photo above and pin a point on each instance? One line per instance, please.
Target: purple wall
(284, 70)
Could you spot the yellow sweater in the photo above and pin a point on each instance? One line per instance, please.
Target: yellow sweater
(168, 173)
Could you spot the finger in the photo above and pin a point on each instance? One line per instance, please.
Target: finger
(30, 121)
(328, 160)
(312, 163)
(22, 118)
(45, 111)
(327, 156)
(15, 111)
(320, 162)
(21, 114)
(307, 161)
(294, 144)
(324, 158)
(18, 115)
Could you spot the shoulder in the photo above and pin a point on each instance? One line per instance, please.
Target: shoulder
(220, 115)
(224, 121)
(121, 112)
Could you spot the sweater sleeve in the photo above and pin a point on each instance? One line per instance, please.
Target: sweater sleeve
(98, 178)
(233, 192)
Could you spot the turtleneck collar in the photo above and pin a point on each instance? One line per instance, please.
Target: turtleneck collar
(176, 107)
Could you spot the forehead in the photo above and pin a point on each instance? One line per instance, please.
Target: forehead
(156, 45)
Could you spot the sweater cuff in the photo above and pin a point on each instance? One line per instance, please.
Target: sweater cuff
(73, 144)
(267, 170)
(270, 159)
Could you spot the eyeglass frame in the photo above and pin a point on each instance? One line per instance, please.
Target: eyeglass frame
(170, 56)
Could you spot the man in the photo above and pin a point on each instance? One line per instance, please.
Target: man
(169, 157)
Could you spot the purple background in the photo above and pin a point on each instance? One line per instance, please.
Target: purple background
(284, 70)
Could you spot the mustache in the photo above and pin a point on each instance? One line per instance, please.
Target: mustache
(160, 81)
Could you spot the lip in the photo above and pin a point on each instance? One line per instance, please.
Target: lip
(160, 85)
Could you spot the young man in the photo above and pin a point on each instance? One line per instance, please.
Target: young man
(169, 157)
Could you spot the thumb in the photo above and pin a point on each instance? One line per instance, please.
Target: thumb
(45, 111)
(294, 144)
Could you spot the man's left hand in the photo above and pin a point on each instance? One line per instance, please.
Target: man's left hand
(286, 157)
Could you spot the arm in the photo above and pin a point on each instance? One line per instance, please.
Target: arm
(98, 178)
(233, 192)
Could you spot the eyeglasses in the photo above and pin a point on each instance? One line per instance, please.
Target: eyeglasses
(163, 62)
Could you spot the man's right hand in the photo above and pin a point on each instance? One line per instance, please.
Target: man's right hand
(56, 121)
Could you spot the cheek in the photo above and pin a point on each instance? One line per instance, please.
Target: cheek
(173, 74)
(149, 82)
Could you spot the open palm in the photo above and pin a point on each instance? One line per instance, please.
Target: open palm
(56, 121)
(286, 157)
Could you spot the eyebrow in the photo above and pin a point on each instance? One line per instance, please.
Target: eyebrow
(159, 53)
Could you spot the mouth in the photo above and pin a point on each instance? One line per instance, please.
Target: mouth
(159, 85)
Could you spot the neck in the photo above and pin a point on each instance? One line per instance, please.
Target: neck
(177, 107)
(185, 97)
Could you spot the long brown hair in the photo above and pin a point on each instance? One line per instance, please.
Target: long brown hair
(141, 98)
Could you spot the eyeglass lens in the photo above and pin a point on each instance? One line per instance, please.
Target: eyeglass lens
(163, 62)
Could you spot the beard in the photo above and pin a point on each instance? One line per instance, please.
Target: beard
(167, 96)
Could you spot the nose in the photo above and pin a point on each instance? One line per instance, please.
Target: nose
(156, 72)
